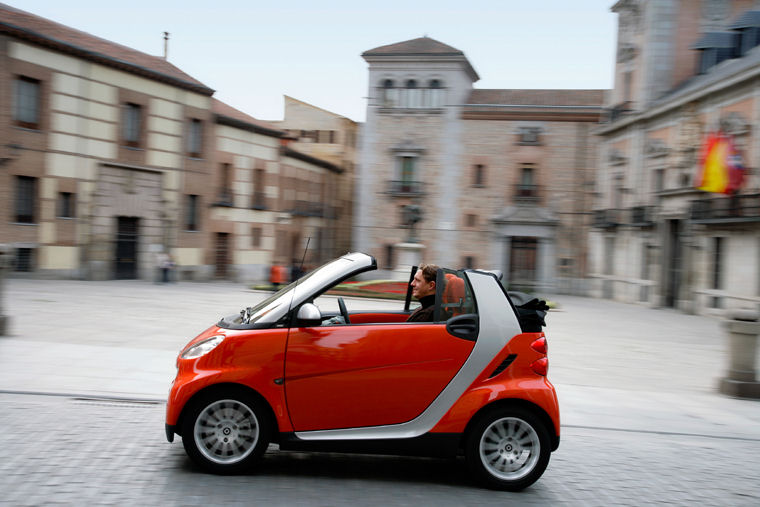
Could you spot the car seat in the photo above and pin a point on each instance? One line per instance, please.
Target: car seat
(453, 295)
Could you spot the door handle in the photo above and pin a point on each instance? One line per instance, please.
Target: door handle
(465, 326)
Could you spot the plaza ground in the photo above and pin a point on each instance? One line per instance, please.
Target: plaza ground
(87, 366)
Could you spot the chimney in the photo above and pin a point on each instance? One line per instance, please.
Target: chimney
(166, 45)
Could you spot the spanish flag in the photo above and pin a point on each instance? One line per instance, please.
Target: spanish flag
(720, 167)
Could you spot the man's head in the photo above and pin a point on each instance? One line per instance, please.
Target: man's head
(423, 283)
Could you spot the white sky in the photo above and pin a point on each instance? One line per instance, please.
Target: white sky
(254, 52)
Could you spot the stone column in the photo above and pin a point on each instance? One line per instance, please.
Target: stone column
(742, 329)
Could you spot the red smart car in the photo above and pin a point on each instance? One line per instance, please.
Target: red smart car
(472, 382)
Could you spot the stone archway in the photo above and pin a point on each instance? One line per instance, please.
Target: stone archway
(123, 194)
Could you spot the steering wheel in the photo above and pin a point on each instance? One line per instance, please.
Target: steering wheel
(343, 311)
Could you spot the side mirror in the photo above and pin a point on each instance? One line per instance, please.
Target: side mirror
(309, 315)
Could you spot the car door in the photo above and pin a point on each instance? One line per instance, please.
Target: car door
(368, 374)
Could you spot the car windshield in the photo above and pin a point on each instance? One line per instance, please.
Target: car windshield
(269, 310)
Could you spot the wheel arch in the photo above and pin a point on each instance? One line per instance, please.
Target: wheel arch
(227, 387)
(506, 403)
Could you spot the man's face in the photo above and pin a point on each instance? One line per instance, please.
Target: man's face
(421, 287)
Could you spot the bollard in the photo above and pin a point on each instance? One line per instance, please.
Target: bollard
(742, 329)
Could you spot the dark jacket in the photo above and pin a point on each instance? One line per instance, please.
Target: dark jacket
(424, 313)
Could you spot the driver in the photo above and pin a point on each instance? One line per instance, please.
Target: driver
(423, 288)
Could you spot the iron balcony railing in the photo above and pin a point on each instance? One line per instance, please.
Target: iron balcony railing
(404, 188)
(259, 201)
(642, 216)
(605, 218)
(526, 193)
(734, 208)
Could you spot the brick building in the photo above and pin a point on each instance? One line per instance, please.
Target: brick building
(111, 156)
(504, 178)
(682, 70)
(331, 137)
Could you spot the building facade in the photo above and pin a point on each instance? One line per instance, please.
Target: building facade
(111, 157)
(503, 179)
(331, 137)
(683, 70)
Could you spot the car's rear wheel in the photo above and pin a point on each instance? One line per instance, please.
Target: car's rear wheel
(225, 432)
(507, 448)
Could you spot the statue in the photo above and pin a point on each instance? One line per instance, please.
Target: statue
(412, 213)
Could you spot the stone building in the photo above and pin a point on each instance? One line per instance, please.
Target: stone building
(331, 137)
(111, 157)
(503, 178)
(682, 70)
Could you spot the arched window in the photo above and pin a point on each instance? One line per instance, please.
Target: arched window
(412, 95)
(434, 94)
(389, 94)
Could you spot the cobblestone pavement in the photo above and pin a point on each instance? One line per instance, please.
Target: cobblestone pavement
(642, 420)
(92, 452)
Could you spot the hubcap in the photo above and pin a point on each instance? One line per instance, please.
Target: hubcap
(226, 431)
(509, 448)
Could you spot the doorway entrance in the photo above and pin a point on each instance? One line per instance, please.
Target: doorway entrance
(522, 262)
(127, 229)
(221, 254)
(673, 263)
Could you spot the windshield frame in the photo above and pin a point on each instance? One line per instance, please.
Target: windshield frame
(274, 308)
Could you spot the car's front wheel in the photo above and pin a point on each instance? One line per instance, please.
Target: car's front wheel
(225, 432)
(507, 449)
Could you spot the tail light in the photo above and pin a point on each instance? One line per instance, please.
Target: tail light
(540, 345)
(540, 366)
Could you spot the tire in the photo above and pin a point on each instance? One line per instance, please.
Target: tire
(508, 449)
(226, 432)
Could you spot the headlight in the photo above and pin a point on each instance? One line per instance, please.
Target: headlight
(202, 348)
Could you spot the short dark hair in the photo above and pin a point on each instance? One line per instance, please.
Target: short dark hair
(429, 272)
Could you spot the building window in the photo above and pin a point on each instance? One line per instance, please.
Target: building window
(527, 186)
(132, 120)
(529, 135)
(470, 220)
(224, 191)
(469, 262)
(24, 260)
(435, 94)
(389, 94)
(26, 193)
(478, 175)
(258, 199)
(659, 180)
(191, 214)
(66, 205)
(255, 237)
(411, 97)
(27, 110)
(195, 139)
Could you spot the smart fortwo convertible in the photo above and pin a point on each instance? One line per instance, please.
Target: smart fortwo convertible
(285, 371)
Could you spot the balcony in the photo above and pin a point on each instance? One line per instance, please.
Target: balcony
(605, 218)
(526, 193)
(259, 201)
(729, 209)
(223, 198)
(642, 216)
(308, 209)
(404, 188)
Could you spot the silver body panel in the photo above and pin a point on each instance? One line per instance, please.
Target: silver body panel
(498, 324)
